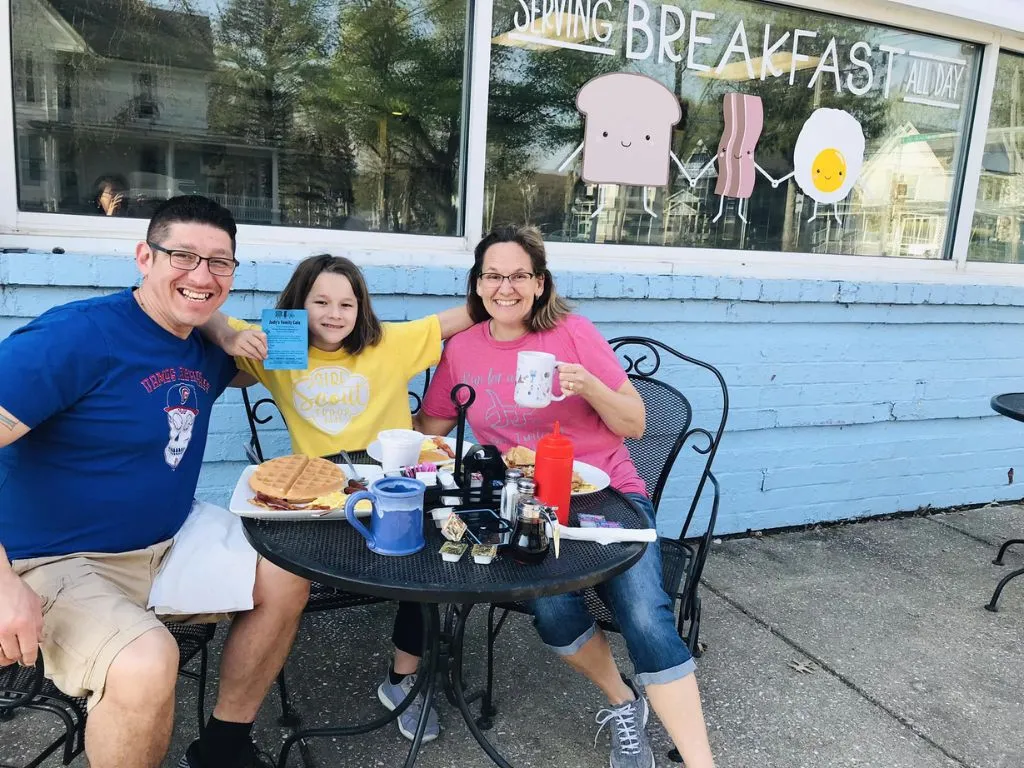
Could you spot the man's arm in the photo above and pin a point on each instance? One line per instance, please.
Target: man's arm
(21, 617)
(10, 429)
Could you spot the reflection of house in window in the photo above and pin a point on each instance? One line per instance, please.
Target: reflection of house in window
(998, 229)
(145, 95)
(902, 197)
(129, 93)
(67, 84)
(25, 78)
(32, 157)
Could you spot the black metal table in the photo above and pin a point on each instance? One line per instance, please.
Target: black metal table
(1010, 404)
(333, 553)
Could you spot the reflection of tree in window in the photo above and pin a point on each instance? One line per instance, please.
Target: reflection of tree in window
(361, 99)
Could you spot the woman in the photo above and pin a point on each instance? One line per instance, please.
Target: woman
(111, 195)
(511, 296)
(356, 385)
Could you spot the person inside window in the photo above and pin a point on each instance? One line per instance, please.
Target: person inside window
(111, 195)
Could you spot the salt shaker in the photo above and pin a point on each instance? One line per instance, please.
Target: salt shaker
(510, 496)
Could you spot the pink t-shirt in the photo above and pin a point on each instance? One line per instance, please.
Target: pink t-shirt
(489, 366)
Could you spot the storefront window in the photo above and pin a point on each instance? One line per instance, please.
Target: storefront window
(343, 114)
(801, 131)
(998, 231)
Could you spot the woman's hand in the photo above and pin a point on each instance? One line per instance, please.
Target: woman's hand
(116, 202)
(575, 379)
(250, 344)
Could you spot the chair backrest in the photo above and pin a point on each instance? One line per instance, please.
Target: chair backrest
(669, 416)
(264, 410)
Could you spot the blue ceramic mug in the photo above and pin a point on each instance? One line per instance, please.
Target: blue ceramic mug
(396, 523)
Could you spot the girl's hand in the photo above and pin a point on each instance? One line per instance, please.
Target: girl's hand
(250, 344)
(575, 379)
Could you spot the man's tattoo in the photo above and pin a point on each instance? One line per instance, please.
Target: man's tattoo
(8, 421)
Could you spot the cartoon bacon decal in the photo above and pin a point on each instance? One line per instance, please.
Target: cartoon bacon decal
(744, 119)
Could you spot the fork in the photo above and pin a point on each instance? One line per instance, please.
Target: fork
(352, 467)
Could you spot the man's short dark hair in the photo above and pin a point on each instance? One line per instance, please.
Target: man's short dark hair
(190, 209)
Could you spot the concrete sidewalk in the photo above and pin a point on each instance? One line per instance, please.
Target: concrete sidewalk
(897, 664)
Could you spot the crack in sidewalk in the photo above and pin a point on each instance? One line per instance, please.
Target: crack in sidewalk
(824, 665)
(968, 534)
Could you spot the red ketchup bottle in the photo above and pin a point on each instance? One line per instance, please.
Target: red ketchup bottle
(553, 472)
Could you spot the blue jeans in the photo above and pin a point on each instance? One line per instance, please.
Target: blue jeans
(642, 610)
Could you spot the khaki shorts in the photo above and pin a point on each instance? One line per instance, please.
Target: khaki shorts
(94, 605)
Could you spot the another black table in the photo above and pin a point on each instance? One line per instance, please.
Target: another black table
(333, 553)
(1012, 405)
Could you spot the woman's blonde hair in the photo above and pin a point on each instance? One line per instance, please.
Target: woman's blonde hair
(549, 308)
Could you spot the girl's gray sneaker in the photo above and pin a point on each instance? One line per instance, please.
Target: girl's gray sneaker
(393, 694)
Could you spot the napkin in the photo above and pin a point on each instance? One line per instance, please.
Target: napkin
(210, 567)
(608, 535)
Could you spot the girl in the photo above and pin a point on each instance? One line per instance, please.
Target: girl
(355, 386)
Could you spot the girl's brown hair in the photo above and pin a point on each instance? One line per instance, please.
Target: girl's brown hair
(368, 331)
(549, 308)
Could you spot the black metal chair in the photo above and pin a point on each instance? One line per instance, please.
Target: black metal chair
(24, 688)
(321, 597)
(669, 420)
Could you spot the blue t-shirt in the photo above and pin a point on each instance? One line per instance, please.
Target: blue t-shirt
(118, 409)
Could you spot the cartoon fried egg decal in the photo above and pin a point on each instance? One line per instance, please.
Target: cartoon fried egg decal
(829, 155)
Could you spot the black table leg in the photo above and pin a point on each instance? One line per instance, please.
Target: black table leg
(431, 651)
(991, 606)
(428, 669)
(459, 694)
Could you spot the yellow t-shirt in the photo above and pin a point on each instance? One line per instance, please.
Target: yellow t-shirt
(342, 401)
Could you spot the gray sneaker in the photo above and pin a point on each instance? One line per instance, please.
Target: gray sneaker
(630, 746)
(392, 695)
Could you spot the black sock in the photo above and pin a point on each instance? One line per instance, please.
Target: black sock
(393, 677)
(225, 744)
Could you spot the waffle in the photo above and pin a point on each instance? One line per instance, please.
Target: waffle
(297, 478)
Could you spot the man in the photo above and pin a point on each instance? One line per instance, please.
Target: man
(104, 409)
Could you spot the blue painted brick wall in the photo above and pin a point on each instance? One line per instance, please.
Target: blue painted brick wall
(847, 399)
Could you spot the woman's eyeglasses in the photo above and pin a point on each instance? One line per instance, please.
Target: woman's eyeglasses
(188, 261)
(516, 279)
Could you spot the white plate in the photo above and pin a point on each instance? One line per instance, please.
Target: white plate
(374, 452)
(240, 505)
(591, 474)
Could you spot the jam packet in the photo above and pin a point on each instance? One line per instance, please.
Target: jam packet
(452, 551)
(484, 553)
(591, 521)
(454, 528)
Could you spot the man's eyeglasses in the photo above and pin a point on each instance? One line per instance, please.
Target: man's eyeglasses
(188, 261)
(516, 279)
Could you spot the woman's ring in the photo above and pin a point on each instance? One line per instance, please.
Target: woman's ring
(568, 386)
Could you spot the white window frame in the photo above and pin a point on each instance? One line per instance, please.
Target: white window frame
(257, 242)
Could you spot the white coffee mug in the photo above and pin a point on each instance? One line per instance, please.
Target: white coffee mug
(535, 375)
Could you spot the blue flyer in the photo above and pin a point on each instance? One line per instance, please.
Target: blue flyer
(287, 339)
